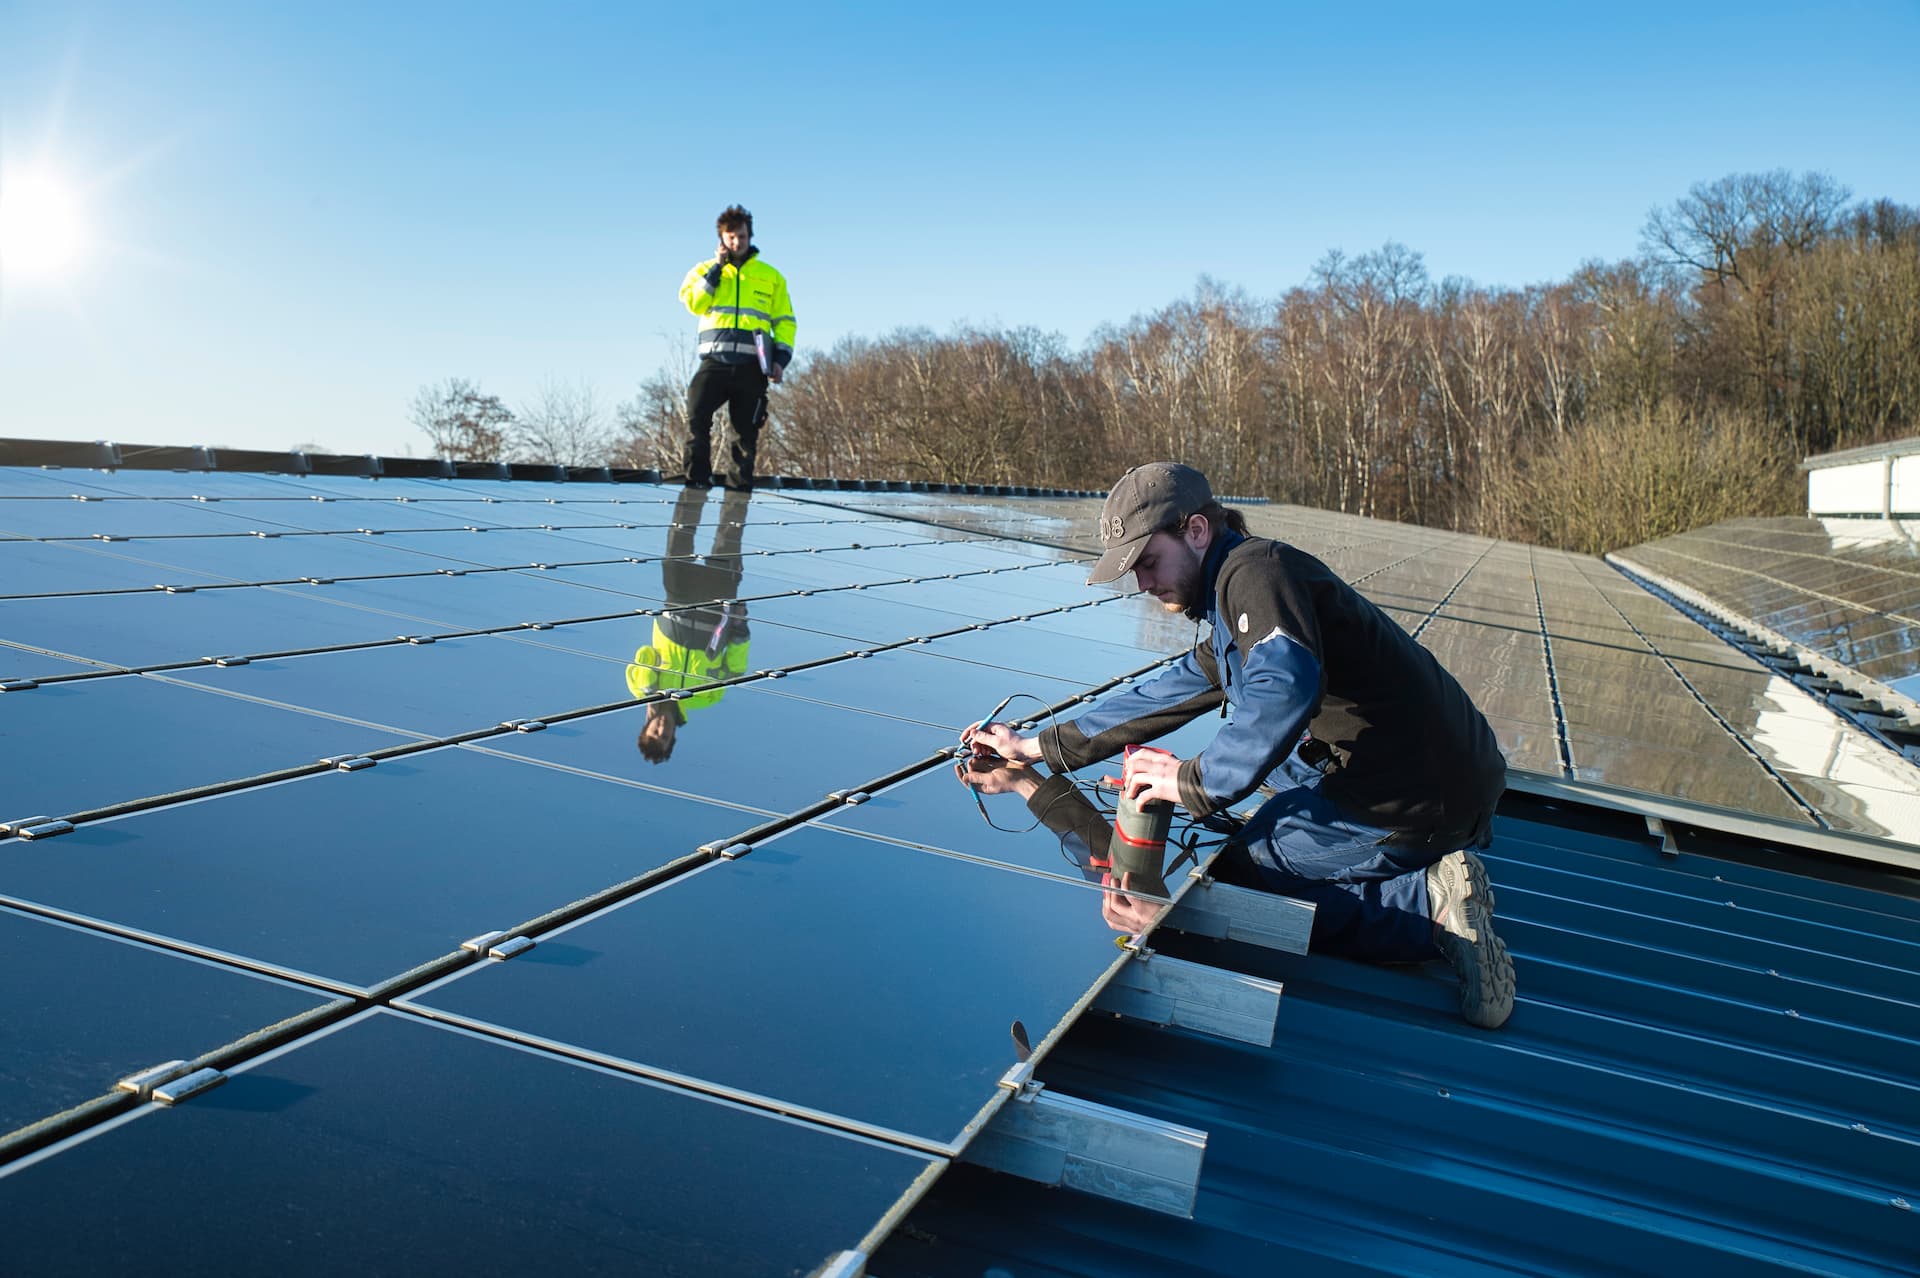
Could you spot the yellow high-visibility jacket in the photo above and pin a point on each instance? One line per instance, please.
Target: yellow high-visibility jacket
(666, 664)
(749, 298)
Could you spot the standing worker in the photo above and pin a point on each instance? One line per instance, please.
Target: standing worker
(746, 341)
(1385, 773)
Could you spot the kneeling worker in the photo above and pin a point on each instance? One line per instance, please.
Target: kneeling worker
(1386, 773)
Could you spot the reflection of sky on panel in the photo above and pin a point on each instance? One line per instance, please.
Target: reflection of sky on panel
(1013, 838)
(757, 748)
(27, 481)
(56, 567)
(1135, 621)
(117, 517)
(151, 628)
(1023, 646)
(442, 689)
(625, 585)
(520, 547)
(361, 1142)
(26, 663)
(861, 616)
(475, 601)
(291, 558)
(101, 1007)
(1852, 805)
(343, 516)
(111, 740)
(1048, 585)
(770, 646)
(971, 554)
(919, 684)
(1850, 777)
(355, 877)
(849, 916)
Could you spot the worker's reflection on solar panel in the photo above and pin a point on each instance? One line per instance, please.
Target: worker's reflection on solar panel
(1089, 841)
(700, 638)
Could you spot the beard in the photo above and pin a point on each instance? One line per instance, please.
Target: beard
(1189, 593)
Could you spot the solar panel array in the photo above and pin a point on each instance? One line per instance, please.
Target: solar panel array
(1585, 675)
(1847, 590)
(285, 757)
(294, 765)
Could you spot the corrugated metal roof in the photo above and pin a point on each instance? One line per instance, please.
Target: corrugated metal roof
(1709, 1070)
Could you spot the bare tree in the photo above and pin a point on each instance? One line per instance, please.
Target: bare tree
(650, 429)
(1852, 339)
(1719, 227)
(1633, 343)
(562, 425)
(460, 422)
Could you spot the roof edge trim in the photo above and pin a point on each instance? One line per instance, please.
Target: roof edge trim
(1858, 847)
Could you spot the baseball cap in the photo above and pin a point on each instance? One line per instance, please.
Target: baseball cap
(1148, 499)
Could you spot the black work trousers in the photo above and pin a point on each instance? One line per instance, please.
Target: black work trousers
(743, 389)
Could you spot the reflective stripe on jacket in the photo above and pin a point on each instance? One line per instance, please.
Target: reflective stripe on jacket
(750, 298)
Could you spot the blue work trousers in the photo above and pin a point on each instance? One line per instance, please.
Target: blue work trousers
(1370, 896)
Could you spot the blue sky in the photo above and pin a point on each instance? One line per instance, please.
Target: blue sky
(300, 214)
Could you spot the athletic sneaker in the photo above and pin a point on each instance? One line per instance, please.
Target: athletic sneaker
(1460, 902)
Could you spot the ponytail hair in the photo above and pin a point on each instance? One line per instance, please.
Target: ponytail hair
(1218, 517)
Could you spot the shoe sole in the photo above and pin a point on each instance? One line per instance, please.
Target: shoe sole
(1491, 1004)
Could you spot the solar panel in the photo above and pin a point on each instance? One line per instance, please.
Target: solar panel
(21, 666)
(1845, 590)
(936, 810)
(770, 646)
(1022, 646)
(444, 689)
(151, 628)
(52, 568)
(862, 617)
(392, 1145)
(111, 517)
(346, 879)
(86, 1008)
(770, 976)
(750, 747)
(101, 742)
(921, 684)
(246, 559)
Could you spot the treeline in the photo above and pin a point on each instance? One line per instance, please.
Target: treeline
(1767, 318)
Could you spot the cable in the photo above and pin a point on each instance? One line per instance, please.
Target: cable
(981, 803)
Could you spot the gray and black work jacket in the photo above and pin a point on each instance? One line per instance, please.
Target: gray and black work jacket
(1306, 661)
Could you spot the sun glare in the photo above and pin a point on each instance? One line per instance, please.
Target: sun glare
(43, 231)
